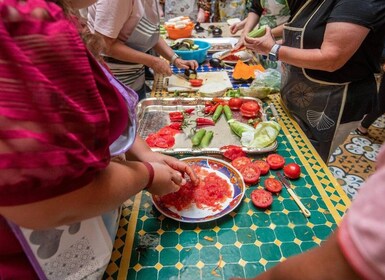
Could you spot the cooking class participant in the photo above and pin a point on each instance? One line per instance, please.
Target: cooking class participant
(130, 29)
(197, 10)
(63, 118)
(379, 107)
(356, 250)
(222, 10)
(263, 12)
(328, 85)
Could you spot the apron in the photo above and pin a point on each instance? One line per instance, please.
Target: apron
(143, 38)
(181, 8)
(275, 13)
(226, 9)
(316, 105)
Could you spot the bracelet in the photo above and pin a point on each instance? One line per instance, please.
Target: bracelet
(173, 58)
(150, 170)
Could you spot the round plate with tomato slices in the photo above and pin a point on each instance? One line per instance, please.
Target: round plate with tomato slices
(221, 174)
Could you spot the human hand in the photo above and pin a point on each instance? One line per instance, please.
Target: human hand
(174, 163)
(261, 45)
(234, 28)
(166, 179)
(240, 43)
(160, 66)
(186, 64)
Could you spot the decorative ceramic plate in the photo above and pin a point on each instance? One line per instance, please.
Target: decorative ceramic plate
(193, 214)
(243, 56)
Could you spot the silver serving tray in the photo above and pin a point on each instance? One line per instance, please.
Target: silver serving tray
(153, 114)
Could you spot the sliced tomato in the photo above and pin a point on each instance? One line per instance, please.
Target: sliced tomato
(232, 152)
(167, 130)
(196, 82)
(261, 198)
(292, 170)
(275, 161)
(151, 139)
(241, 162)
(263, 166)
(235, 103)
(250, 109)
(251, 106)
(273, 185)
(250, 174)
(164, 141)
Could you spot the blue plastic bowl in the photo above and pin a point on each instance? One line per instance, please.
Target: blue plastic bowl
(199, 54)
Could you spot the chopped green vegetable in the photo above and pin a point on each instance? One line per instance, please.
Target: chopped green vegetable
(257, 32)
(217, 113)
(206, 140)
(264, 135)
(227, 111)
(198, 136)
(239, 127)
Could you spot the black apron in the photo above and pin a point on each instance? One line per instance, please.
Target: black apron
(316, 105)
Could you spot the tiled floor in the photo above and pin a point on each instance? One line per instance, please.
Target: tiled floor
(354, 161)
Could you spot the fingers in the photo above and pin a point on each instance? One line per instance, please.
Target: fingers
(178, 179)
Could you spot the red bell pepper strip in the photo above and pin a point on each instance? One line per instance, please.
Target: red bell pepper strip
(189, 111)
(204, 121)
(176, 116)
(213, 108)
(176, 125)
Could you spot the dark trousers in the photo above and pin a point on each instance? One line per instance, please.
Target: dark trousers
(379, 107)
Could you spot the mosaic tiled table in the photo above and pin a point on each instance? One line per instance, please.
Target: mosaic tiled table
(244, 243)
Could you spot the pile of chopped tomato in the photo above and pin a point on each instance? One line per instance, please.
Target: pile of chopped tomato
(211, 192)
(164, 138)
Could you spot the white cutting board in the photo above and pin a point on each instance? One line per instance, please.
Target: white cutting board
(175, 82)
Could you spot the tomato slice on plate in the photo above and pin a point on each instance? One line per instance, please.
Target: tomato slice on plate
(250, 174)
(292, 170)
(235, 103)
(240, 162)
(263, 166)
(261, 198)
(273, 185)
(275, 161)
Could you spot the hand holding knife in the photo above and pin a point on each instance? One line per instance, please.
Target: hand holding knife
(286, 183)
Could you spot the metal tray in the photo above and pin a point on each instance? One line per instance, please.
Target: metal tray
(153, 114)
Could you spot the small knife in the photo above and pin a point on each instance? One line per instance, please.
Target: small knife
(286, 183)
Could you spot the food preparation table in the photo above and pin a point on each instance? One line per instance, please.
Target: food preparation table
(243, 243)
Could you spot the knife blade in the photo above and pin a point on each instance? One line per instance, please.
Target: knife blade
(287, 185)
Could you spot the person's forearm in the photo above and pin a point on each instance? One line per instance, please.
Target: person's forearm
(251, 22)
(109, 189)
(163, 49)
(277, 31)
(139, 150)
(120, 51)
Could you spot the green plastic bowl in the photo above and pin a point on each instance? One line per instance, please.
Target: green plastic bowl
(199, 55)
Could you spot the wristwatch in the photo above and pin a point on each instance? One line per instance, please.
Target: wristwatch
(273, 54)
(173, 58)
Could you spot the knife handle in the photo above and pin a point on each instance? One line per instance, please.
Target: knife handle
(304, 210)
